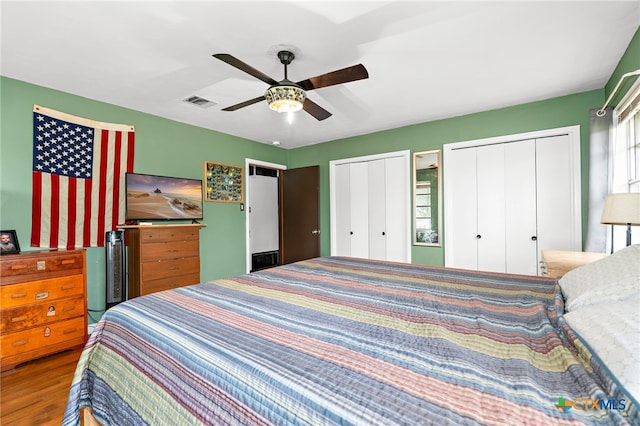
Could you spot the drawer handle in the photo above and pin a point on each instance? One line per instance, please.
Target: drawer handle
(42, 295)
(173, 268)
(69, 331)
(18, 295)
(172, 251)
(18, 319)
(20, 343)
(19, 266)
(67, 261)
(67, 287)
(68, 308)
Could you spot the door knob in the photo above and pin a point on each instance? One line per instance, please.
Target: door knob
(534, 238)
(315, 231)
(478, 236)
(383, 233)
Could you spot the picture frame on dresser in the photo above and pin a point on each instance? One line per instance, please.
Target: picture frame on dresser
(9, 242)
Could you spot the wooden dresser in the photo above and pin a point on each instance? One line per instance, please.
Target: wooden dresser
(44, 304)
(161, 257)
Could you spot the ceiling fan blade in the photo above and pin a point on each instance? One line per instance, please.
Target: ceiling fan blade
(244, 104)
(315, 110)
(345, 75)
(235, 62)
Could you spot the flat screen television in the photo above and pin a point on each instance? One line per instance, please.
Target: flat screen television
(153, 197)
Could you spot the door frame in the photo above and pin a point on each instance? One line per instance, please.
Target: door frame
(247, 202)
(406, 156)
(573, 132)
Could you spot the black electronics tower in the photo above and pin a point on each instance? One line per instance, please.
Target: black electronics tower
(116, 269)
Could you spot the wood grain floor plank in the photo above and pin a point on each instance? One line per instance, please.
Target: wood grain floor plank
(35, 393)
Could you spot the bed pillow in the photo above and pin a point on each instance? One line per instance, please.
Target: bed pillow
(612, 332)
(611, 278)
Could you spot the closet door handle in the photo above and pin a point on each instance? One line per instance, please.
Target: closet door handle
(351, 233)
(383, 233)
(534, 238)
(478, 237)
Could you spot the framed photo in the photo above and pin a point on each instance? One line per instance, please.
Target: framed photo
(223, 183)
(9, 242)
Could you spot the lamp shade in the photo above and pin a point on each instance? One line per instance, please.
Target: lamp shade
(285, 96)
(622, 209)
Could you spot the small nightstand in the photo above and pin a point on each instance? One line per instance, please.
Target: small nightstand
(556, 263)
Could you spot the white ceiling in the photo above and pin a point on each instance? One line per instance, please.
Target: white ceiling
(426, 60)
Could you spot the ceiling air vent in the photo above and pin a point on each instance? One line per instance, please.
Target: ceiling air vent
(201, 102)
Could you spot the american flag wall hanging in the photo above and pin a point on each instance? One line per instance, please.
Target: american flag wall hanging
(78, 178)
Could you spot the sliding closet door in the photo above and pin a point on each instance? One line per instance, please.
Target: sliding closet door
(370, 205)
(526, 199)
(491, 211)
(521, 251)
(359, 214)
(558, 212)
(396, 202)
(462, 203)
(342, 194)
(377, 210)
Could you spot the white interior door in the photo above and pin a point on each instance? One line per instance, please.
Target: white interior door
(461, 205)
(521, 248)
(377, 209)
(263, 217)
(397, 202)
(359, 210)
(491, 211)
(537, 209)
(342, 208)
(557, 210)
(378, 217)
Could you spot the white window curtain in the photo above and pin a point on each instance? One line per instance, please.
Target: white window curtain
(601, 135)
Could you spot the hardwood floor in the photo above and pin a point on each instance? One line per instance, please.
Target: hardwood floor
(35, 393)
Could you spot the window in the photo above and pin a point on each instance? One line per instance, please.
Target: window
(625, 163)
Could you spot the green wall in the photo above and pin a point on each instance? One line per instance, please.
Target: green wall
(630, 61)
(162, 147)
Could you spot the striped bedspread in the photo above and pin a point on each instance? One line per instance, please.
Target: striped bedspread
(347, 342)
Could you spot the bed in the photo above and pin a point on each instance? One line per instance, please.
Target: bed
(345, 341)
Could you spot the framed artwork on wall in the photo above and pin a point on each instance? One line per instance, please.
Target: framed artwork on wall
(9, 242)
(223, 183)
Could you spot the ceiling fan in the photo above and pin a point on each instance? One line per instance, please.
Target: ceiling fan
(285, 95)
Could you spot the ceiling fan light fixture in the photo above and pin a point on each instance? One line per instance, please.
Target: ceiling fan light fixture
(285, 97)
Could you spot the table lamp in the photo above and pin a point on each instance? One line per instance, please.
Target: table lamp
(622, 209)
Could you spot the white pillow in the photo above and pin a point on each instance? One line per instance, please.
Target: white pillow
(612, 331)
(611, 278)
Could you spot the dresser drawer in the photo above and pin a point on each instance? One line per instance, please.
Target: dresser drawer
(16, 319)
(168, 234)
(170, 268)
(169, 283)
(42, 336)
(177, 249)
(41, 291)
(41, 263)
